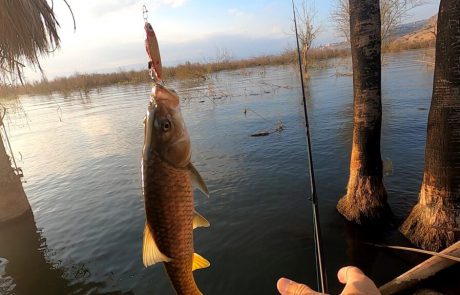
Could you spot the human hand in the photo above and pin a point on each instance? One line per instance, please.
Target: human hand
(355, 281)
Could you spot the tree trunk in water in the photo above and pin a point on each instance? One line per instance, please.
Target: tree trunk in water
(13, 200)
(433, 223)
(366, 196)
(305, 61)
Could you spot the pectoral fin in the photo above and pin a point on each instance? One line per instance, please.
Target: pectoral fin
(197, 180)
(199, 220)
(199, 262)
(150, 252)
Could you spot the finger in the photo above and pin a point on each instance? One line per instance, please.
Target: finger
(356, 282)
(348, 273)
(288, 287)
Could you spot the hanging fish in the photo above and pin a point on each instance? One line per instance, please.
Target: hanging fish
(153, 51)
(167, 177)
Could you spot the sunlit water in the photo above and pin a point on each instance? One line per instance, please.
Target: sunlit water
(81, 160)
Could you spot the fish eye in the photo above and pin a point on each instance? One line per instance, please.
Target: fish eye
(165, 125)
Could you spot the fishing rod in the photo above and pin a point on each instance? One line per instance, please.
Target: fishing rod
(320, 265)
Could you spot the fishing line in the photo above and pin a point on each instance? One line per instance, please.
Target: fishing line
(320, 267)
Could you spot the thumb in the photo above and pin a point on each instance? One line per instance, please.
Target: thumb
(288, 287)
(356, 282)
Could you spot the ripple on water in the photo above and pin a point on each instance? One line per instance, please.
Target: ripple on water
(7, 284)
(81, 158)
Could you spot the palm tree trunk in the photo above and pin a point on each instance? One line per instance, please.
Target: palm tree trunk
(366, 196)
(432, 222)
(13, 200)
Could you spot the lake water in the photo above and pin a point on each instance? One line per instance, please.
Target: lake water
(81, 159)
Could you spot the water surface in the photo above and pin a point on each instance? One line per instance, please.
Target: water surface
(81, 158)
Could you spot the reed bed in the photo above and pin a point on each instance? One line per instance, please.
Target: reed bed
(317, 58)
(397, 46)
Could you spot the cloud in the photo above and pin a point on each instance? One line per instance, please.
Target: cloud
(105, 7)
(174, 3)
(131, 55)
(235, 12)
(237, 45)
(276, 30)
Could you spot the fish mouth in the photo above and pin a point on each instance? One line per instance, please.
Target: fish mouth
(148, 27)
(163, 96)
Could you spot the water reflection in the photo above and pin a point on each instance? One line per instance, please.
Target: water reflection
(25, 267)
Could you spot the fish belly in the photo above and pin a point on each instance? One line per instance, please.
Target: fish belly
(169, 207)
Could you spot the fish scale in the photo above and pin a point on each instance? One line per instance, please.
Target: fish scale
(169, 210)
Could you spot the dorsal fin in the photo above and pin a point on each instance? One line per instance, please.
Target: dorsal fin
(199, 220)
(197, 180)
(150, 252)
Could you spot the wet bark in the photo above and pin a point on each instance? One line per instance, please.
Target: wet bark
(433, 223)
(366, 196)
(13, 200)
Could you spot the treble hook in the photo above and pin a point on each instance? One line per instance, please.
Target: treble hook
(145, 13)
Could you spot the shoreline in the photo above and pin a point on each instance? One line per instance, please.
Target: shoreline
(317, 58)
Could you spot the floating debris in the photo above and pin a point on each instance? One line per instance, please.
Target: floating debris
(278, 129)
(264, 133)
(279, 126)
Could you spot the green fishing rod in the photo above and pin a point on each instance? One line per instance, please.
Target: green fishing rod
(320, 265)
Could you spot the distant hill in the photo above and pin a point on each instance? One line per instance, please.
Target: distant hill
(419, 34)
(408, 28)
(420, 31)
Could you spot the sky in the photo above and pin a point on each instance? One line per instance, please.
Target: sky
(110, 34)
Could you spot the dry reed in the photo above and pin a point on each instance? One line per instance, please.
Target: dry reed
(318, 58)
(398, 45)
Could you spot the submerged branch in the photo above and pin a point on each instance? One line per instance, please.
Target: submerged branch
(432, 253)
(422, 271)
